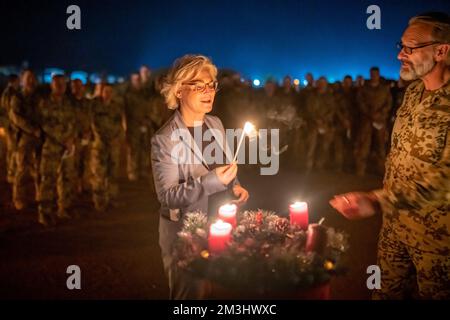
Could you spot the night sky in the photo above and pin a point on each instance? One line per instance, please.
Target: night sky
(258, 38)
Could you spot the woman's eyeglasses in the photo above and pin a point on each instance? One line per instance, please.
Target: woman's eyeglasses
(199, 86)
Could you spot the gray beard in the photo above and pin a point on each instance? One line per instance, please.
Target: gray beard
(418, 71)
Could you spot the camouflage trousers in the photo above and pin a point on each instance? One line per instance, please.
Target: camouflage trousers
(318, 148)
(11, 147)
(105, 167)
(404, 268)
(27, 156)
(297, 146)
(57, 172)
(370, 139)
(342, 146)
(138, 153)
(82, 168)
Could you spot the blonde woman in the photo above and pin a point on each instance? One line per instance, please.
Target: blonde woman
(185, 178)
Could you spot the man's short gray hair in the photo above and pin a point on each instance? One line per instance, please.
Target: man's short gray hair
(440, 22)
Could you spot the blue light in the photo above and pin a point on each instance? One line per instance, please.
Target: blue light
(50, 72)
(95, 78)
(81, 75)
(111, 79)
(256, 82)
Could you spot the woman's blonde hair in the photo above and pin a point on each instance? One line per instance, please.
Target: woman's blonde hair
(185, 69)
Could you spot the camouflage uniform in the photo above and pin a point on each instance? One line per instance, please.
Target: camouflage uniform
(139, 130)
(301, 141)
(82, 109)
(11, 132)
(107, 127)
(374, 104)
(57, 166)
(291, 123)
(24, 116)
(415, 200)
(159, 113)
(345, 105)
(321, 109)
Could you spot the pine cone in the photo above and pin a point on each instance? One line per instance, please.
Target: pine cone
(282, 225)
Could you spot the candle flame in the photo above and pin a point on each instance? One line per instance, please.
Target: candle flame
(248, 127)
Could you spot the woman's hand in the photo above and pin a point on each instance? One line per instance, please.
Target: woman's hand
(355, 205)
(227, 173)
(241, 193)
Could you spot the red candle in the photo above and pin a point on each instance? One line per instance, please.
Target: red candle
(219, 236)
(316, 240)
(298, 213)
(227, 213)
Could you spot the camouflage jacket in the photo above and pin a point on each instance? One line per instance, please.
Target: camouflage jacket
(416, 191)
(82, 109)
(321, 110)
(5, 104)
(23, 112)
(345, 107)
(107, 121)
(137, 108)
(57, 121)
(375, 103)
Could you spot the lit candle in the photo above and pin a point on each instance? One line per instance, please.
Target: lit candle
(219, 236)
(249, 129)
(317, 238)
(227, 213)
(298, 213)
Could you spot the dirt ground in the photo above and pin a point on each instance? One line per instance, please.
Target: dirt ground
(118, 252)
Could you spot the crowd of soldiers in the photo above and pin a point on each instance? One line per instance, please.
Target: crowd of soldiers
(342, 126)
(69, 140)
(69, 137)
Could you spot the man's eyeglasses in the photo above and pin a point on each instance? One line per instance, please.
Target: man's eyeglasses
(409, 50)
(201, 86)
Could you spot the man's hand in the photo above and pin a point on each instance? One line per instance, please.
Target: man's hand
(227, 173)
(355, 205)
(241, 193)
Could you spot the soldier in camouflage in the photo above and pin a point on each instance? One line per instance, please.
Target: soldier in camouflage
(139, 129)
(147, 83)
(345, 110)
(321, 110)
(83, 137)
(291, 121)
(24, 116)
(109, 135)
(375, 102)
(57, 166)
(414, 242)
(11, 90)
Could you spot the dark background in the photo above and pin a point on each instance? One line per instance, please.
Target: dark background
(258, 38)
